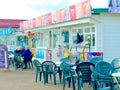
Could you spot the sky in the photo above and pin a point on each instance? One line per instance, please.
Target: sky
(28, 9)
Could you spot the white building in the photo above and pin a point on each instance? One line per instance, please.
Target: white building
(101, 26)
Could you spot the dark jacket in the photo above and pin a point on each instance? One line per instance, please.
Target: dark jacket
(19, 52)
(27, 55)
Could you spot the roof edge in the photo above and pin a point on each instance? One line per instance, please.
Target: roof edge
(99, 10)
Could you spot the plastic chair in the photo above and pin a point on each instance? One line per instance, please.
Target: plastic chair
(84, 73)
(30, 61)
(116, 64)
(96, 59)
(38, 67)
(94, 77)
(68, 74)
(18, 62)
(10, 52)
(101, 76)
(49, 68)
(11, 58)
(67, 60)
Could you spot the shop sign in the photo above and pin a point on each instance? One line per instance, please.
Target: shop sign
(72, 12)
(40, 53)
(62, 14)
(86, 56)
(3, 56)
(6, 31)
(83, 9)
(42, 20)
(114, 6)
(49, 18)
(67, 14)
(46, 19)
(4, 23)
(27, 24)
(49, 55)
(53, 19)
(80, 11)
(22, 27)
(34, 22)
(38, 19)
(57, 16)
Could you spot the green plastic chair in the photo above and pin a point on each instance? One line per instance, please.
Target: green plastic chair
(38, 67)
(101, 76)
(68, 74)
(49, 68)
(116, 64)
(18, 62)
(11, 59)
(84, 73)
(10, 52)
(96, 59)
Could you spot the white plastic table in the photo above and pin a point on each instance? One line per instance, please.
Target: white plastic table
(115, 75)
(11, 56)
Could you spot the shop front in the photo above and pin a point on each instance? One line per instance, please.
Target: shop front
(56, 35)
(57, 41)
(9, 28)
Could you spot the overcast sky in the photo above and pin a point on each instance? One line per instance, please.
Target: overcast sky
(28, 9)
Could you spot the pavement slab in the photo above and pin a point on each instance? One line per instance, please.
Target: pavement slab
(25, 80)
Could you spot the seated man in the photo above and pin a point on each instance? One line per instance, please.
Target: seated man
(18, 53)
(27, 56)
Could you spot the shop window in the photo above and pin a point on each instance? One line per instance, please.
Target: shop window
(66, 36)
(50, 35)
(93, 39)
(22, 40)
(56, 39)
(74, 35)
(93, 29)
(74, 31)
(88, 38)
(80, 31)
(39, 39)
(74, 38)
(47, 39)
(87, 30)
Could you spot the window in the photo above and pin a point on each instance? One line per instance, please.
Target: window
(86, 32)
(74, 31)
(93, 40)
(93, 29)
(80, 30)
(56, 37)
(39, 39)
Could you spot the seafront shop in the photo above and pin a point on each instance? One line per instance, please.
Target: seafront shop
(51, 36)
(10, 32)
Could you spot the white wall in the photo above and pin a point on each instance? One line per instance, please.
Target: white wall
(111, 36)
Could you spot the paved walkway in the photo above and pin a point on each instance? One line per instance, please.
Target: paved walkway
(25, 80)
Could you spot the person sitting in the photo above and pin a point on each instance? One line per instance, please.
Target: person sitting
(27, 56)
(17, 56)
(19, 51)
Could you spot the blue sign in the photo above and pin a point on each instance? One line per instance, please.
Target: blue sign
(3, 56)
(6, 31)
(40, 53)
